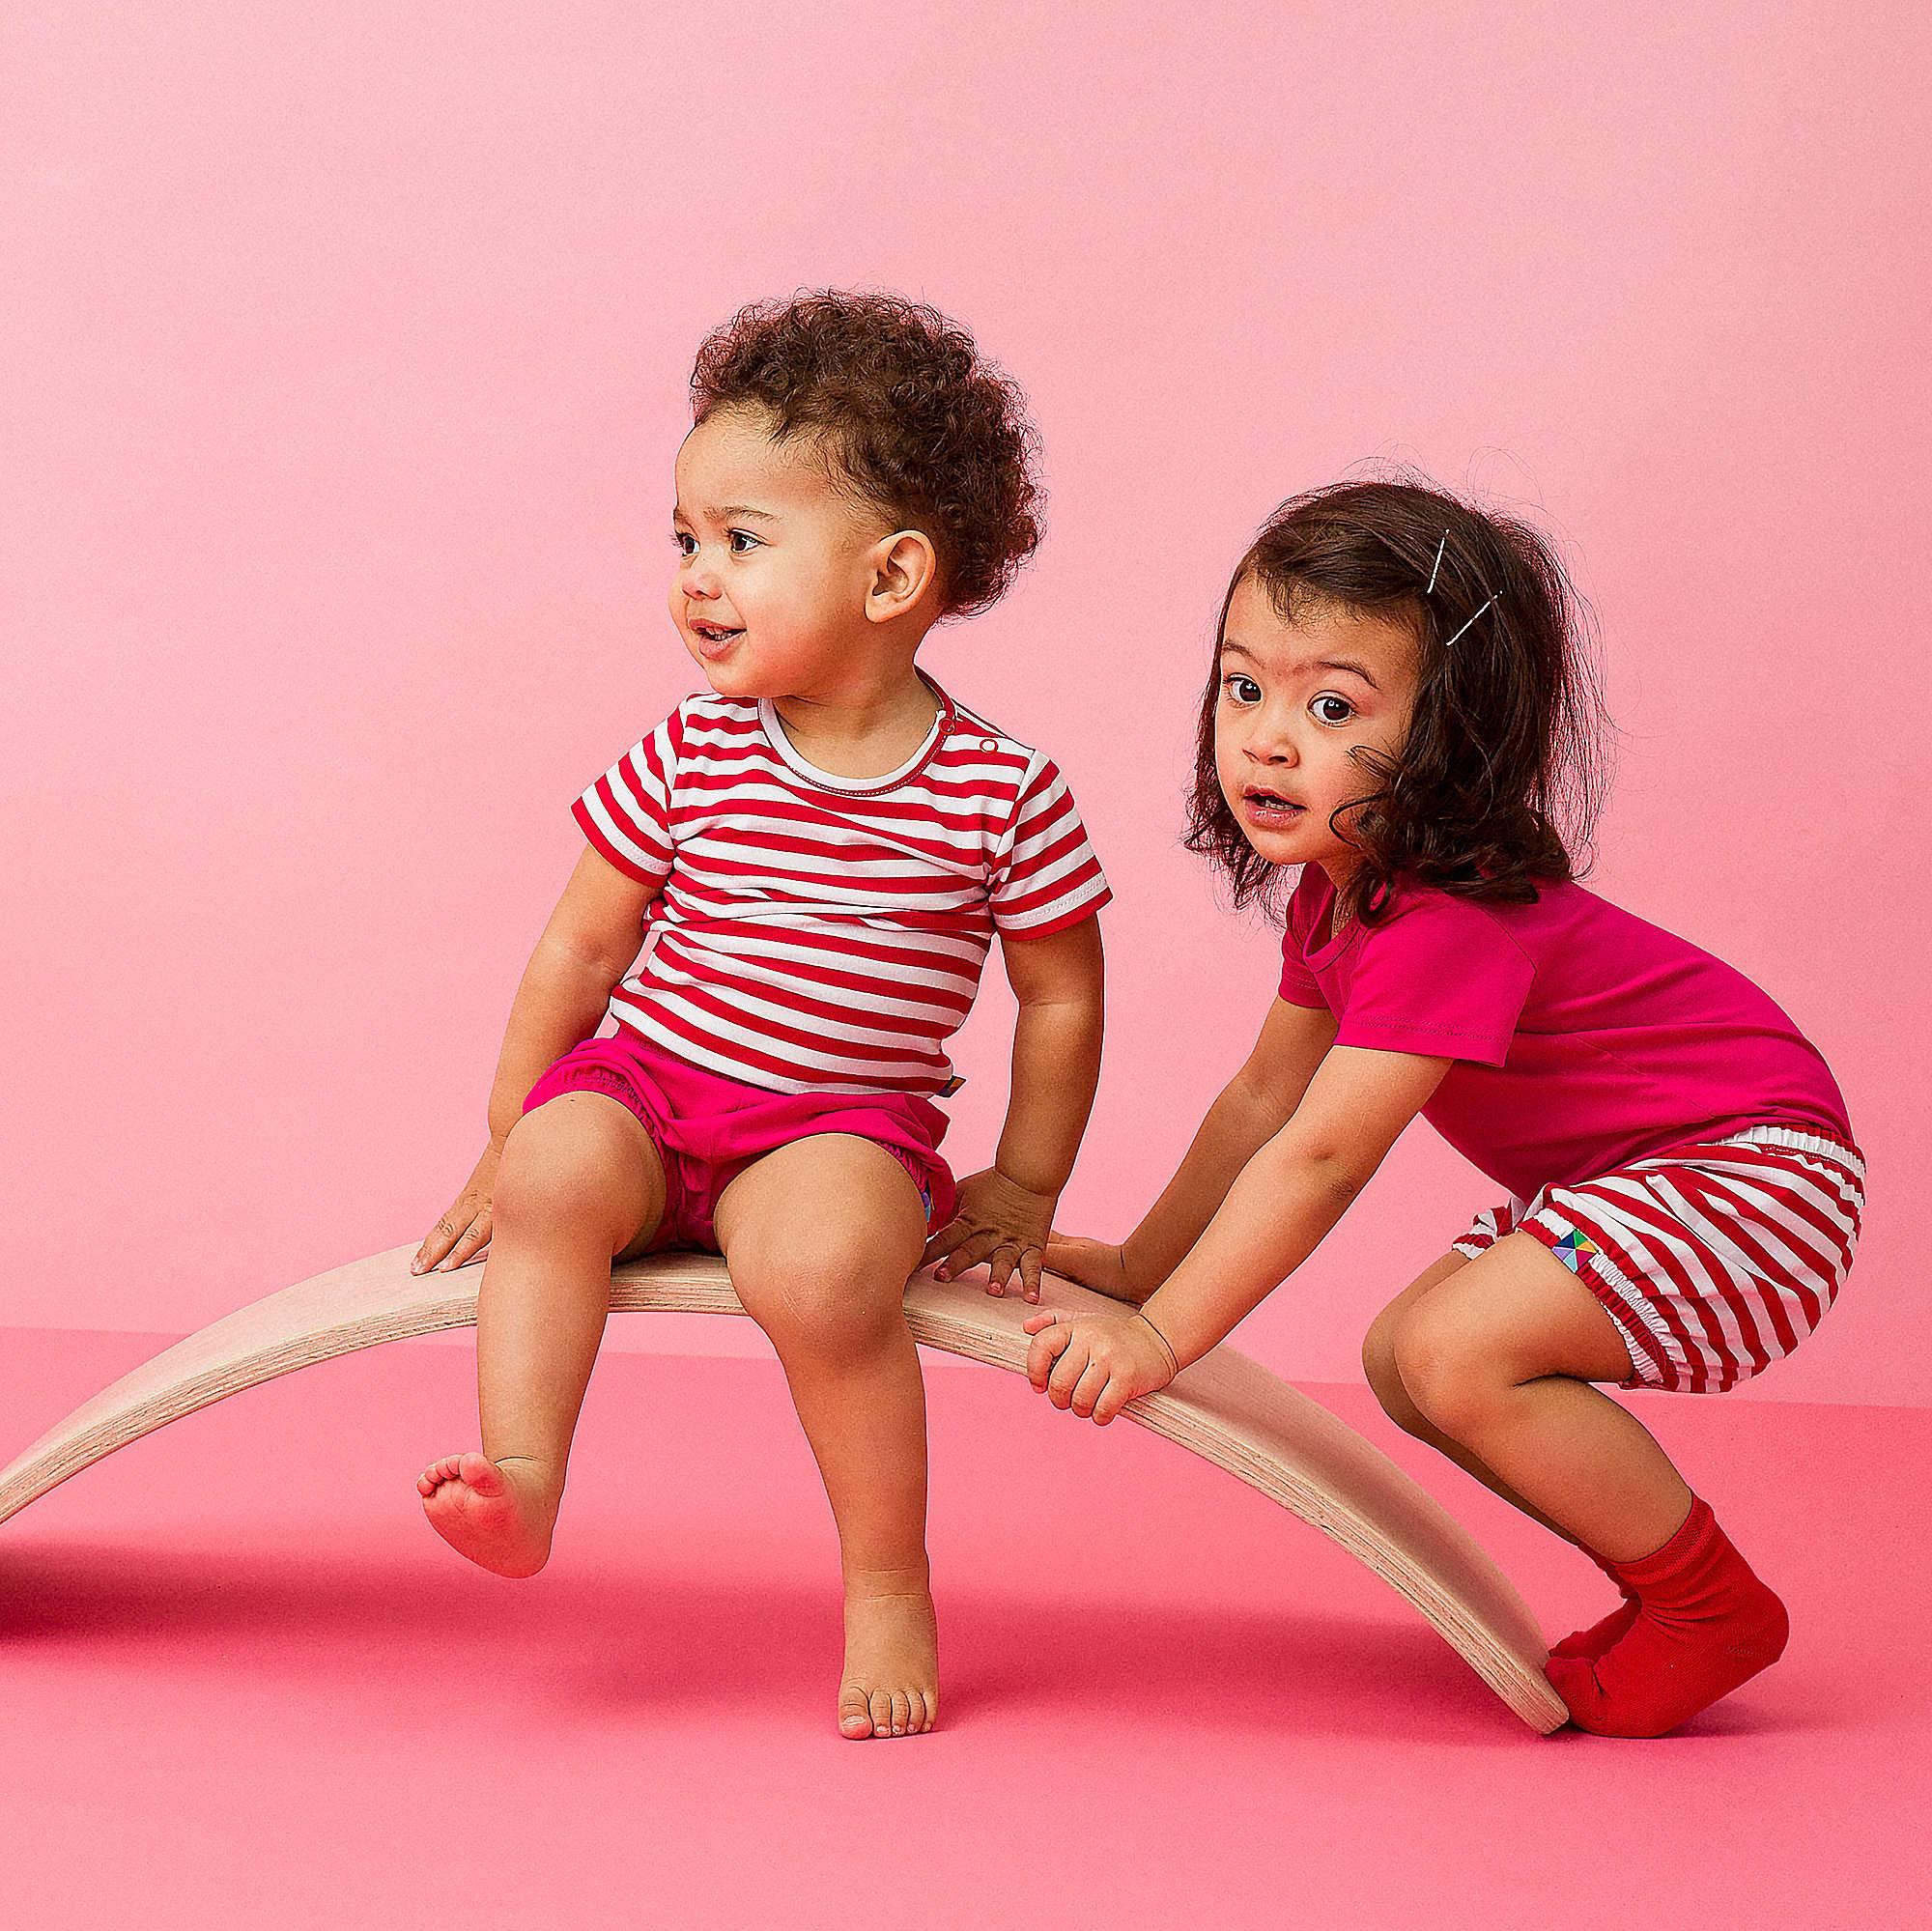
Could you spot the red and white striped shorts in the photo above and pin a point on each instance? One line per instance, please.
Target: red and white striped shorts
(1715, 1259)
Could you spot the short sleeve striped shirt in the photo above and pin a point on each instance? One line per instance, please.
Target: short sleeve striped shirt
(820, 934)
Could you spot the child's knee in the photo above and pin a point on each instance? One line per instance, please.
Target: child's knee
(1445, 1370)
(572, 1173)
(1384, 1377)
(828, 1305)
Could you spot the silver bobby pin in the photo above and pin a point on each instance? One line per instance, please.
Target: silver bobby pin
(1448, 640)
(1437, 565)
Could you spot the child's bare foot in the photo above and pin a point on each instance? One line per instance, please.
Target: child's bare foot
(499, 1513)
(892, 1656)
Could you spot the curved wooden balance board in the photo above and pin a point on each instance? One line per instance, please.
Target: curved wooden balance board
(1226, 1409)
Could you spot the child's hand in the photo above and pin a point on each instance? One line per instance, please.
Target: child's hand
(463, 1233)
(1096, 1363)
(995, 1220)
(1098, 1265)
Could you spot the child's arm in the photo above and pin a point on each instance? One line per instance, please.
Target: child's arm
(1006, 1212)
(1252, 1108)
(590, 944)
(1288, 1194)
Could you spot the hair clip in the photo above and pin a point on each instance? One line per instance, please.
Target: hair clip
(1448, 640)
(1430, 591)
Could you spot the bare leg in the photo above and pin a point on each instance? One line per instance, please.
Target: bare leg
(580, 1184)
(1501, 1359)
(1378, 1363)
(821, 1237)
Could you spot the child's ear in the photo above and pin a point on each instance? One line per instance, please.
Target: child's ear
(904, 575)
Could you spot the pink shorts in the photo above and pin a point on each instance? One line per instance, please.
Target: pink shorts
(1714, 1260)
(707, 1129)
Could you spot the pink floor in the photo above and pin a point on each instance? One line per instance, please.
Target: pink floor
(243, 1683)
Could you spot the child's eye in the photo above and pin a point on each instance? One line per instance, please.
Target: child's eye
(1241, 689)
(685, 541)
(743, 542)
(1329, 697)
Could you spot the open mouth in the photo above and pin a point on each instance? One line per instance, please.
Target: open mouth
(714, 640)
(1269, 806)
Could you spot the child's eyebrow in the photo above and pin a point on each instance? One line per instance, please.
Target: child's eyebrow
(727, 513)
(1229, 647)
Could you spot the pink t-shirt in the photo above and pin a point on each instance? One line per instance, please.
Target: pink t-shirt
(1583, 1037)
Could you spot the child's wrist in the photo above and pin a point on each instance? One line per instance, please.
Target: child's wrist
(1016, 1174)
(1167, 1347)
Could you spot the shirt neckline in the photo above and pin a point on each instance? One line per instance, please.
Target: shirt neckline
(773, 729)
(1321, 912)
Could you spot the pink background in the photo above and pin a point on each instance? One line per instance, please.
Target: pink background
(343, 368)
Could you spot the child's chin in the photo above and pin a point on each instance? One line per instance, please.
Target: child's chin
(731, 680)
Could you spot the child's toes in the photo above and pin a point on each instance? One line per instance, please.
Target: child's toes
(479, 1472)
(855, 1714)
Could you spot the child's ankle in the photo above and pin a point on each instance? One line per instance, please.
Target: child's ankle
(902, 1579)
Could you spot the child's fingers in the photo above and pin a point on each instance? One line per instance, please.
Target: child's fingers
(1005, 1259)
(1045, 1317)
(1047, 1347)
(944, 1241)
(1088, 1390)
(468, 1244)
(440, 1240)
(1067, 1371)
(970, 1252)
(1030, 1262)
(1111, 1401)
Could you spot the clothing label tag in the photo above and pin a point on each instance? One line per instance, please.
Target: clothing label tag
(953, 1086)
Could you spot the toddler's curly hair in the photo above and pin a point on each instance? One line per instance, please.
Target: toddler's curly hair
(913, 419)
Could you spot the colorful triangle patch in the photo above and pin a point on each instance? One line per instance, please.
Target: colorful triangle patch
(1574, 1248)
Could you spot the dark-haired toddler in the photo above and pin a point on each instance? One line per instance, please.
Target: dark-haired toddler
(1401, 724)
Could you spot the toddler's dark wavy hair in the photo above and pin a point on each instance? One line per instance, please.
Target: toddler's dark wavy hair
(913, 419)
(1499, 781)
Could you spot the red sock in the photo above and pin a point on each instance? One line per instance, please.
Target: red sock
(1704, 1624)
(1599, 1636)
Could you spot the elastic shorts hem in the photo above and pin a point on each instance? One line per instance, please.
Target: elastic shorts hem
(1735, 1264)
